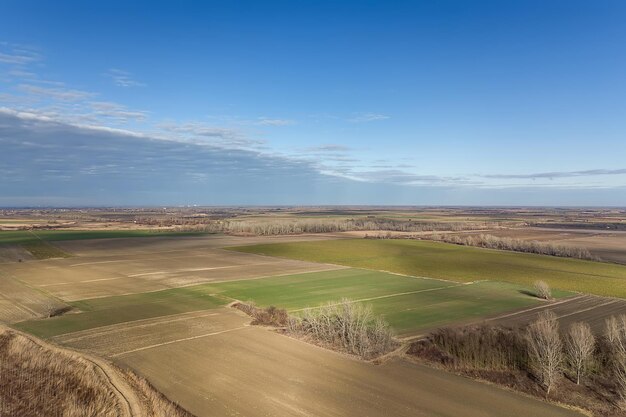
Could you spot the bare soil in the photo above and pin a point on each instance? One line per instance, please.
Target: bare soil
(219, 365)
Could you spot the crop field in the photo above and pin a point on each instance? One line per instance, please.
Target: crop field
(456, 263)
(83, 277)
(157, 306)
(409, 304)
(213, 363)
(586, 308)
(22, 236)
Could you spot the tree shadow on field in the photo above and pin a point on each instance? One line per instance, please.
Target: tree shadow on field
(528, 293)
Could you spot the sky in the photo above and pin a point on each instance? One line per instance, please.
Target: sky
(444, 102)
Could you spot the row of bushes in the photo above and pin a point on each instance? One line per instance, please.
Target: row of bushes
(298, 226)
(344, 326)
(516, 245)
(541, 352)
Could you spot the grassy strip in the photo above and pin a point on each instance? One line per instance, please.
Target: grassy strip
(26, 236)
(113, 310)
(43, 250)
(457, 263)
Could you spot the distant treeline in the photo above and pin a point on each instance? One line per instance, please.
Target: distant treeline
(503, 243)
(298, 226)
(516, 245)
(585, 225)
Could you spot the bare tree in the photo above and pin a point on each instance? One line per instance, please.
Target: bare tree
(580, 344)
(546, 348)
(542, 290)
(616, 336)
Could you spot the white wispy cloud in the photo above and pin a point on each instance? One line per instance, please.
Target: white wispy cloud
(559, 174)
(14, 54)
(123, 78)
(57, 93)
(266, 121)
(368, 117)
(218, 136)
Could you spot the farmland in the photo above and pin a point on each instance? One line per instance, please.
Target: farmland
(456, 263)
(156, 303)
(409, 304)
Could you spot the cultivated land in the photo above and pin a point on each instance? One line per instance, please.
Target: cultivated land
(456, 263)
(156, 303)
(410, 305)
(214, 363)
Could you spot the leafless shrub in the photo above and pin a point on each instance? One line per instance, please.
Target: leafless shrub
(270, 316)
(516, 245)
(481, 347)
(616, 337)
(346, 326)
(289, 227)
(545, 349)
(542, 290)
(580, 345)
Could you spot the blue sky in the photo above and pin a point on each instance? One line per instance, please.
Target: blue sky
(312, 102)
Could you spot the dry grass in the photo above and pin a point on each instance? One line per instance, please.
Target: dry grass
(154, 403)
(35, 381)
(39, 381)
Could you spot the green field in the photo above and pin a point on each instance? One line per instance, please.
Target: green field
(457, 263)
(409, 304)
(41, 249)
(23, 236)
(112, 310)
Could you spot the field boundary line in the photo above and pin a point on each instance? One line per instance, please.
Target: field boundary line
(387, 296)
(99, 331)
(588, 308)
(134, 321)
(536, 308)
(178, 340)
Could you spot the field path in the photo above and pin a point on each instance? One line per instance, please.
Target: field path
(127, 399)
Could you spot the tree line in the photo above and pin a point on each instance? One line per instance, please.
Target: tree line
(541, 353)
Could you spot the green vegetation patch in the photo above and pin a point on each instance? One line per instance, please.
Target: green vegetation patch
(409, 304)
(41, 249)
(27, 236)
(457, 263)
(119, 309)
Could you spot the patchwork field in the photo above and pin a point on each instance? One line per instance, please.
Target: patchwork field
(457, 263)
(85, 277)
(214, 364)
(409, 304)
(157, 305)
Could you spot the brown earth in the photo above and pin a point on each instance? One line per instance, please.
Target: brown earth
(14, 253)
(588, 308)
(125, 266)
(215, 364)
